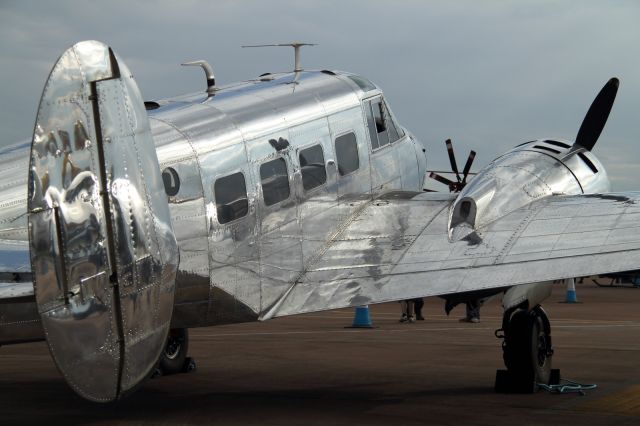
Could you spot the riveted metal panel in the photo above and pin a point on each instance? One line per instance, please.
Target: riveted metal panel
(103, 252)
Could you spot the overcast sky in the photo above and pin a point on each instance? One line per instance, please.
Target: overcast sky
(487, 74)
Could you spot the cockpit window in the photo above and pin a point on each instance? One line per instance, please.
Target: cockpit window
(371, 124)
(395, 131)
(231, 197)
(363, 83)
(378, 117)
(382, 127)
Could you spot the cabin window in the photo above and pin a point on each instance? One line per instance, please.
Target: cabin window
(171, 181)
(312, 167)
(231, 197)
(347, 154)
(275, 181)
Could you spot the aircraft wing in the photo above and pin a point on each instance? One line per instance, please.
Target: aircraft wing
(398, 248)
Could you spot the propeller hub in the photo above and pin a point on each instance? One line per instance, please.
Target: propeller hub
(460, 182)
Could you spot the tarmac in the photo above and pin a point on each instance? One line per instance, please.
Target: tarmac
(311, 370)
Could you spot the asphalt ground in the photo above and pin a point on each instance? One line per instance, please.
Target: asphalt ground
(311, 370)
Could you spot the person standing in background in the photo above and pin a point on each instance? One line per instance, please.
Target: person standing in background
(417, 306)
(473, 312)
(407, 310)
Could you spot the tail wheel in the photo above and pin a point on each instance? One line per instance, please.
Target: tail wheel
(173, 356)
(527, 347)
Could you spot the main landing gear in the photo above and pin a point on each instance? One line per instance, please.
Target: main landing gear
(526, 350)
(174, 359)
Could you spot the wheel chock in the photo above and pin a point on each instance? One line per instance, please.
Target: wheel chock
(554, 378)
(189, 365)
(507, 382)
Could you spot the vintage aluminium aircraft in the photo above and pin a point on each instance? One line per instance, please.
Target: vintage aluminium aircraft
(291, 193)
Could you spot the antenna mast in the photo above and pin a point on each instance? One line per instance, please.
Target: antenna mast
(296, 48)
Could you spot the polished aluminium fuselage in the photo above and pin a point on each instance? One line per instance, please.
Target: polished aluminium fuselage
(241, 270)
(237, 271)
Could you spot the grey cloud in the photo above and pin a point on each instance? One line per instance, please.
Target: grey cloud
(486, 74)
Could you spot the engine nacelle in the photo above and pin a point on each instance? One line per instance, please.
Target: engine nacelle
(528, 172)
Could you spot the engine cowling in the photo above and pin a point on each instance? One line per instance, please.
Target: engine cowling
(528, 172)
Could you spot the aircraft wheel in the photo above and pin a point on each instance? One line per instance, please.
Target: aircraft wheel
(174, 355)
(527, 348)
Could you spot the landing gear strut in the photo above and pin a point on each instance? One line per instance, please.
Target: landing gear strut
(526, 350)
(174, 357)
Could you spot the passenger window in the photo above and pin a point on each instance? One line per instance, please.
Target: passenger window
(171, 181)
(275, 181)
(347, 154)
(231, 197)
(312, 167)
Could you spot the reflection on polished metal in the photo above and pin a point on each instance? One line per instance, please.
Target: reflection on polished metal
(208, 71)
(102, 250)
(527, 173)
(280, 199)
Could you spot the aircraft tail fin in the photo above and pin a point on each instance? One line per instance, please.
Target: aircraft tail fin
(103, 253)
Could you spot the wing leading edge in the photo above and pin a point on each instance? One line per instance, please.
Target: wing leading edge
(398, 248)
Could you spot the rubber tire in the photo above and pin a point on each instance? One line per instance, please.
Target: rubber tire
(526, 351)
(174, 354)
(541, 351)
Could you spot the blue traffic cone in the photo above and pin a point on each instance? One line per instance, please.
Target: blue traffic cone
(571, 291)
(362, 318)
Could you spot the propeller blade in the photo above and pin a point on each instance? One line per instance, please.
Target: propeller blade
(451, 184)
(452, 158)
(441, 179)
(467, 167)
(597, 115)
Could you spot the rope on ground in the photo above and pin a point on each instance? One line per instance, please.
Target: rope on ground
(567, 386)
